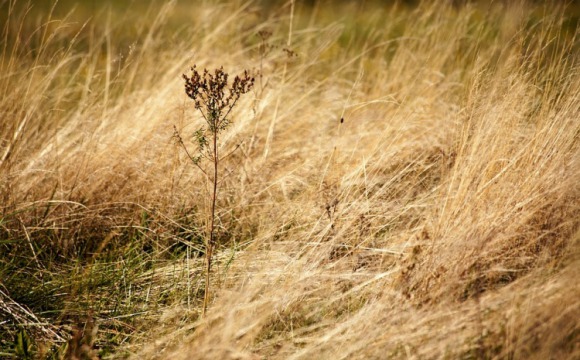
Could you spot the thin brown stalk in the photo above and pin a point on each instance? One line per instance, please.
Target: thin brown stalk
(211, 244)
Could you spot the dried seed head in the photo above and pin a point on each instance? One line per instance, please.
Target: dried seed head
(213, 97)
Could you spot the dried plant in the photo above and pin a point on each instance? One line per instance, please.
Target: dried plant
(214, 100)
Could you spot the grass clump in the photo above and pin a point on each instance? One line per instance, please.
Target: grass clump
(405, 188)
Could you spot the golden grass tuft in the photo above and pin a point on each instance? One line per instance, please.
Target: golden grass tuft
(438, 219)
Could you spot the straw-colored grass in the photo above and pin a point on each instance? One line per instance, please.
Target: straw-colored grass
(406, 184)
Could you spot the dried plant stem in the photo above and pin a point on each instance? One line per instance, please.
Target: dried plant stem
(214, 100)
(211, 244)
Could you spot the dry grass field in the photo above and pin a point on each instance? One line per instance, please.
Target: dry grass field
(402, 182)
